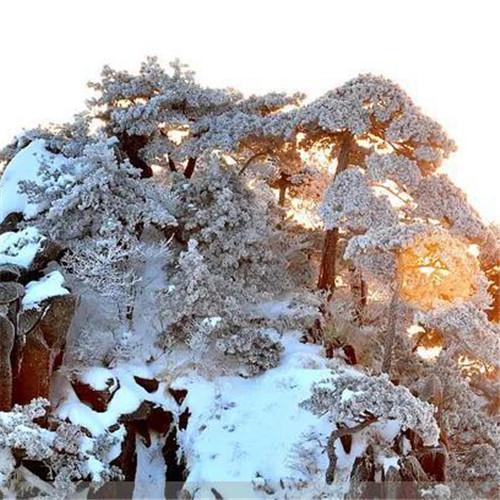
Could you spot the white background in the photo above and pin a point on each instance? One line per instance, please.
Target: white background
(444, 53)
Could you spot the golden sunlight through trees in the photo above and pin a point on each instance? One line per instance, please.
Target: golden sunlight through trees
(436, 271)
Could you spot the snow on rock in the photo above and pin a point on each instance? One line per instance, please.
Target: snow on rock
(7, 464)
(50, 285)
(126, 399)
(20, 248)
(98, 378)
(242, 435)
(388, 462)
(24, 167)
(245, 437)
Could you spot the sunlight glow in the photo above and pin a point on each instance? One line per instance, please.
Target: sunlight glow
(457, 90)
(435, 271)
(415, 329)
(303, 212)
(431, 345)
(470, 366)
(429, 353)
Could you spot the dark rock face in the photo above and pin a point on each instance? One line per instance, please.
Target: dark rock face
(10, 292)
(421, 466)
(10, 272)
(42, 348)
(50, 251)
(31, 341)
(149, 385)
(434, 462)
(11, 222)
(97, 400)
(178, 394)
(7, 336)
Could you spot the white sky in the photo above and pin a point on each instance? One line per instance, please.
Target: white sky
(442, 52)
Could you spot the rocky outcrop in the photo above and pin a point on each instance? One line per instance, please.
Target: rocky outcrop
(149, 420)
(7, 336)
(416, 468)
(42, 349)
(11, 222)
(32, 340)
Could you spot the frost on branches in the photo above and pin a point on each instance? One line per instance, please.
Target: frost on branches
(350, 203)
(234, 258)
(373, 424)
(96, 194)
(396, 168)
(377, 109)
(354, 398)
(169, 119)
(188, 221)
(67, 453)
(98, 207)
(468, 330)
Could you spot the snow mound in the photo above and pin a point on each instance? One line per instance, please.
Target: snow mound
(24, 166)
(20, 248)
(242, 435)
(50, 285)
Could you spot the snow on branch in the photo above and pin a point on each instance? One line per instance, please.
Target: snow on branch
(350, 203)
(350, 398)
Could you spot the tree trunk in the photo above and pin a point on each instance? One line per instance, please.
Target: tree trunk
(340, 433)
(281, 184)
(327, 272)
(171, 165)
(494, 276)
(132, 145)
(390, 334)
(191, 163)
(282, 196)
(359, 291)
(326, 279)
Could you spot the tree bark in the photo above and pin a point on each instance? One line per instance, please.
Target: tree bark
(391, 332)
(494, 276)
(359, 291)
(132, 145)
(191, 163)
(171, 165)
(338, 434)
(327, 272)
(282, 196)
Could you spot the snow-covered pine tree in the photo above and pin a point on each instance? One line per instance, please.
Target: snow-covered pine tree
(235, 258)
(365, 114)
(157, 162)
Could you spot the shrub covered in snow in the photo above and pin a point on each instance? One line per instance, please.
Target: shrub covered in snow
(351, 398)
(166, 207)
(64, 449)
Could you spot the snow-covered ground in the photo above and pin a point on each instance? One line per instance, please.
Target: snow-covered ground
(245, 438)
(243, 433)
